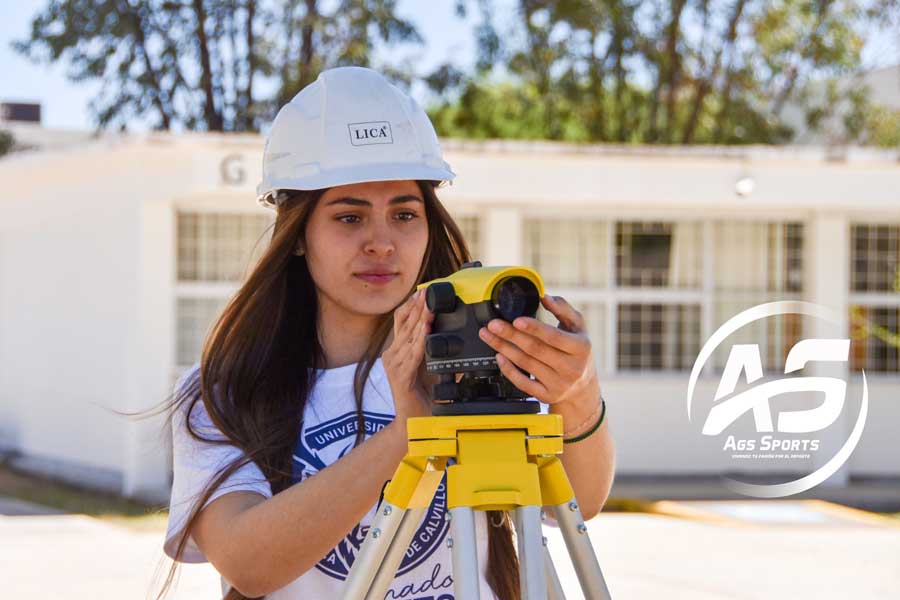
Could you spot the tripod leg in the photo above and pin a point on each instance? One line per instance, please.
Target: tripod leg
(554, 587)
(371, 553)
(395, 553)
(532, 574)
(587, 567)
(464, 554)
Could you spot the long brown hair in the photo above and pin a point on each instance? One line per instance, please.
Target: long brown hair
(268, 328)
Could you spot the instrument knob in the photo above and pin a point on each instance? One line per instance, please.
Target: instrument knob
(443, 346)
(440, 297)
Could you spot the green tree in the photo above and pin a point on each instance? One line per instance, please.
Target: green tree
(655, 71)
(200, 64)
(7, 142)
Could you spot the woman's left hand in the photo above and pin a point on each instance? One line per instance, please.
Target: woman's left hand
(560, 358)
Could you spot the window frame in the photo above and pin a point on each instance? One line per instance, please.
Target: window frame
(705, 296)
(868, 299)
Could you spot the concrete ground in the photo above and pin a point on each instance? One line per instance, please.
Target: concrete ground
(720, 550)
(875, 494)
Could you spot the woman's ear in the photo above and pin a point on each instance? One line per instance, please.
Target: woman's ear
(299, 250)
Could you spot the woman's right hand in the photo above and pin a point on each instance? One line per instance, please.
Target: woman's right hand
(403, 358)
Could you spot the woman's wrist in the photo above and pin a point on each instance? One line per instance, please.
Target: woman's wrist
(396, 430)
(578, 414)
(410, 403)
(588, 427)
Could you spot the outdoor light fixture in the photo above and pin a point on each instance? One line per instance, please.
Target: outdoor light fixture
(744, 186)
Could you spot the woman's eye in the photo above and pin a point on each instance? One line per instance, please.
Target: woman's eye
(341, 219)
(407, 216)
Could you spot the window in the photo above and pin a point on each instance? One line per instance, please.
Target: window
(664, 333)
(217, 247)
(567, 252)
(470, 227)
(757, 262)
(214, 251)
(658, 255)
(658, 336)
(656, 288)
(875, 258)
(572, 254)
(875, 297)
(195, 316)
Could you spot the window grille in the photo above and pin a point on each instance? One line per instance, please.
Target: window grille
(875, 297)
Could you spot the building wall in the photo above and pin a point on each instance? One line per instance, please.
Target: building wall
(104, 300)
(68, 292)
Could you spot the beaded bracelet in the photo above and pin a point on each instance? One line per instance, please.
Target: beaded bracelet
(590, 431)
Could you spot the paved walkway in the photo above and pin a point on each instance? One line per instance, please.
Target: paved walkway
(721, 552)
(882, 494)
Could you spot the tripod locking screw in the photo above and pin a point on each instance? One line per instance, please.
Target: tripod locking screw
(573, 506)
(386, 511)
(449, 542)
(582, 528)
(376, 533)
(544, 540)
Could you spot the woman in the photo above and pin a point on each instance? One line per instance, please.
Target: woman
(286, 432)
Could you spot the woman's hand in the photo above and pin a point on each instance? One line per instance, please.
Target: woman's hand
(560, 358)
(403, 358)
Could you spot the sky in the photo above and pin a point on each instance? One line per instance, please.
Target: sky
(65, 103)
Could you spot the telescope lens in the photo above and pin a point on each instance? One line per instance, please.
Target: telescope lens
(515, 297)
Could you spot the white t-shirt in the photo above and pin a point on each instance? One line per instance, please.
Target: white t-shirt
(328, 432)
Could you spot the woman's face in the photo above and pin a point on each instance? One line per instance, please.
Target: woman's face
(365, 243)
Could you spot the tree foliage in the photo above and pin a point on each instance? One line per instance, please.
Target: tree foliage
(630, 71)
(216, 65)
(661, 71)
(7, 142)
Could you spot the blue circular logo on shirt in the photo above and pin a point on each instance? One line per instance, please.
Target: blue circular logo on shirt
(336, 436)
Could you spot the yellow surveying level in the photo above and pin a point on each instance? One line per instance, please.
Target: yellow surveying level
(497, 454)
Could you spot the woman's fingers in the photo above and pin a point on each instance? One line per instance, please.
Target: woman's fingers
(416, 344)
(533, 387)
(412, 323)
(405, 315)
(413, 319)
(566, 341)
(525, 351)
(569, 318)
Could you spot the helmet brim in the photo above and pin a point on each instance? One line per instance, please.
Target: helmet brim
(352, 174)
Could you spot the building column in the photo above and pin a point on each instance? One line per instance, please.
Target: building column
(146, 457)
(827, 256)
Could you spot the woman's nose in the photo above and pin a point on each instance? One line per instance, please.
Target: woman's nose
(379, 241)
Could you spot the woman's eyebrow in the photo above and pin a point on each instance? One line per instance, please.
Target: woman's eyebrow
(360, 202)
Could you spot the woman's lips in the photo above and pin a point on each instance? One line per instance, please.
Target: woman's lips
(377, 279)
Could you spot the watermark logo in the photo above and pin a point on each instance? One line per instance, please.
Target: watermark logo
(744, 362)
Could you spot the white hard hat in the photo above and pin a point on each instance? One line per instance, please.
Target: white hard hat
(349, 126)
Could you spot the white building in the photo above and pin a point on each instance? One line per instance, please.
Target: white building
(117, 253)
